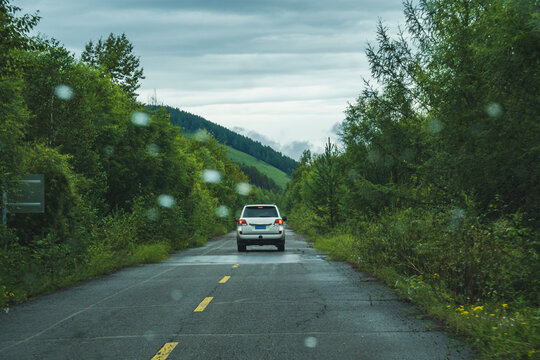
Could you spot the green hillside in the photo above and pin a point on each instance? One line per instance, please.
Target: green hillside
(191, 123)
(274, 173)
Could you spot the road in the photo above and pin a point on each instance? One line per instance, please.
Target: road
(216, 303)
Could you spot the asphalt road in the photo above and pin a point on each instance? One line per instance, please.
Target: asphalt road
(291, 305)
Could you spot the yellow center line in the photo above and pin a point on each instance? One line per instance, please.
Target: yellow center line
(224, 280)
(203, 304)
(235, 266)
(164, 352)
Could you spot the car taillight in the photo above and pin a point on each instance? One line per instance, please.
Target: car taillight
(278, 222)
(242, 222)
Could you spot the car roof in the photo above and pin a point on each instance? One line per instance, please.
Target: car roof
(260, 205)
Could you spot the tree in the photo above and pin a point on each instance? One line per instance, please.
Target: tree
(115, 57)
(13, 112)
(325, 184)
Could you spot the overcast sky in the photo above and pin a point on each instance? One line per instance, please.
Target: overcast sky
(281, 72)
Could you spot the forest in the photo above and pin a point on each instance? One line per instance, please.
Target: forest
(123, 185)
(191, 123)
(433, 185)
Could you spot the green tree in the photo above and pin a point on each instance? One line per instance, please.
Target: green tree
(325, 184)
(14, 114)
(115, 57)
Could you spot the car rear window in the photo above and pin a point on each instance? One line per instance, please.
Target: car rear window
(260, 211)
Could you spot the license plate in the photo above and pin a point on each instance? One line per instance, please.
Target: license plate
(260, 227)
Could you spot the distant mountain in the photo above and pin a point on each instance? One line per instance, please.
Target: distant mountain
(191, 123)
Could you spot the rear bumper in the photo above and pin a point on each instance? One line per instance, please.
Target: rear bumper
(261, 239)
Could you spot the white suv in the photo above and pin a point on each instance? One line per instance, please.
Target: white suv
(260, 224)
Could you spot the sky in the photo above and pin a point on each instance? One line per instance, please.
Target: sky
(280, 72)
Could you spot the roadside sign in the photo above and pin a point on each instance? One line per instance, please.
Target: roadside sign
(28, 196)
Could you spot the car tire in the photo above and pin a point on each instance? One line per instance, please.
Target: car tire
(281, 247)
(241, 247)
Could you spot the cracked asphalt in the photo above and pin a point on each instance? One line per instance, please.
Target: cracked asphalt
(215, 303)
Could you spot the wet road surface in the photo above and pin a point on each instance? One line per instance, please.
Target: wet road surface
(216, 303)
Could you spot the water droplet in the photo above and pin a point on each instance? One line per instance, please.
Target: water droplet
(222, 211)
(353, 174)
(211, 176)
(310, 342)
(374, 156)
(152, 214)
(150, 335)
(29, 278)
(456, 218)
(140, 119)
(475, 129)
(166, 201)
(176, 295)
(108, 150)
(243, 188)
(435, 126)
(202, 135)
(494, 109)
(63, 92)
(153, 150)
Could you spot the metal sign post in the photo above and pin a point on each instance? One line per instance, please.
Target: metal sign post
(4, 208)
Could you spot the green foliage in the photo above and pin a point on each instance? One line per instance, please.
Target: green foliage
(114, 56)
(151, 253)
(61, 198)
(324, 185)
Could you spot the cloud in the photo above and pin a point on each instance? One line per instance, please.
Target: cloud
(296, 148)
(282, 70)
(336, 128)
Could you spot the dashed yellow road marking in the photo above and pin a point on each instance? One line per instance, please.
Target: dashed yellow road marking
(164, 352)
(203, 304)
(235, 266)
(224, 280)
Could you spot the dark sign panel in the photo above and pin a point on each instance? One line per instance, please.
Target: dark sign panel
(28, 196)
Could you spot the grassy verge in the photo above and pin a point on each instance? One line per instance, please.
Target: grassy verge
(39, 280)
(496, 330)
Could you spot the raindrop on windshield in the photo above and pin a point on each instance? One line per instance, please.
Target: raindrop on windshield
(150, 335)
(63, 92)
(176, 295)
(494, 109)
(211, 176)
(374, 156)
(152, 214)
(153, 150)
(29, 278)
(140, 119)
(108, 150)
(165, 201)
(456, 218)
(222, 211)
(435, 126)
(243, 188)
(202, 135)
(310, 342)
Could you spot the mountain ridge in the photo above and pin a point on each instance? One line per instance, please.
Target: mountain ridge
(191, 123)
